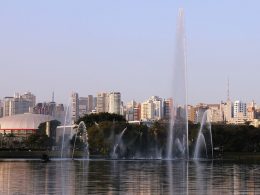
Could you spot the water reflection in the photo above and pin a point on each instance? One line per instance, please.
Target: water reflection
(128, 177)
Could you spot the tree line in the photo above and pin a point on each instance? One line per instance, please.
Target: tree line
(141, 140)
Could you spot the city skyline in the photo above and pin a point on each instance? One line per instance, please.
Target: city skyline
(52, 98)
(128, 47)
(152, 109)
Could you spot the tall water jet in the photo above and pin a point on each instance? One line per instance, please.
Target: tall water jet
(117, 144)
(204, 143)
(82, 134)
(177, 143)
(67, 121)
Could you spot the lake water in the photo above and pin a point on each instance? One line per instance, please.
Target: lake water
(128, 177)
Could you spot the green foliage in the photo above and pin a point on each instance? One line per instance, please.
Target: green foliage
(236, 138)
(92, 119)
(38, 141)
(10, 135)
(101, 137)
(102, 128)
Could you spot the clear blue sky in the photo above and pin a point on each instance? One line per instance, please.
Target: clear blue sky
(128, 46)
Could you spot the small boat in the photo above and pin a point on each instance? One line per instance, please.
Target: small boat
(45, 158)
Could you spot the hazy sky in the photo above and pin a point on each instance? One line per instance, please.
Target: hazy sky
(91, 46)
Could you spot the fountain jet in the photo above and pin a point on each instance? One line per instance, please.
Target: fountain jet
(117, 144)
(204, 143)
(83, 134)
(177, 143)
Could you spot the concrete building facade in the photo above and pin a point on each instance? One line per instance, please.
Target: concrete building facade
(152, 109)
(102, 102)
(83, 106)
(191, 113)
(115, 102)
(19, 104)
(74, 107)
(90, 106)
(240, 109)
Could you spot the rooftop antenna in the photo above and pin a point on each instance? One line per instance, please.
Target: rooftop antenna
(228, 95)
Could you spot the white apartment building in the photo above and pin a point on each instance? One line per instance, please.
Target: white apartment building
(74, 107)
(130, 110)
(115, 102)
(152, 109)
(147, 110)
(240, 107)
(227, 109)
(158, 107)
(102, 102)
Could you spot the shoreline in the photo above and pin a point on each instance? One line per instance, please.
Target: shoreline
(15, 154)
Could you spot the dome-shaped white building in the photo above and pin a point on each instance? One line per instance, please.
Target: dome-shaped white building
(22, 124)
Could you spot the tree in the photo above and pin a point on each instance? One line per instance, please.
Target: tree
(95, 119)
(40, 140)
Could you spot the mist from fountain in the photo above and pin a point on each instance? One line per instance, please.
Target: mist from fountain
(204, 143)
(83, 134)
(158, 151)
(177, 142)
(117, 144)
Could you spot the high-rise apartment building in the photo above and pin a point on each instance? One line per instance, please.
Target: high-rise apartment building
(90, 106)
(95, 103)
(158, 107)
(130, 110)
(83, 106)
(152, 109)
(200, 110)
(30, 98)
(137, 112)
(240, 113)
(251, 111)
(45, 108)
(147, 110)
(1, 109)
(102, 102)
(167, 108)
(191, 114)
(240, 107)
(227, 109)
(115, 102)
(74, 107)
(215, 113)
(19, 104)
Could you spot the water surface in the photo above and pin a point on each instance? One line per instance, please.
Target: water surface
(128, 177)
